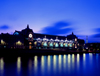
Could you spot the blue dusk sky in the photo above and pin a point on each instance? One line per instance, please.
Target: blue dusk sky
(54, 17)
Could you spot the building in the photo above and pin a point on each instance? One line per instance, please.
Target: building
(27, 39)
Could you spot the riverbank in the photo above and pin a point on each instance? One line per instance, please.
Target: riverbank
(28, 52)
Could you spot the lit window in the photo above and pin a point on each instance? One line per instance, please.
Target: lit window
(61, 44)
(18, 43)
(45, 44)
(66, 45)
(2, 42)
(51, 44)
(75, 39)
(56, 44)
(70, 45)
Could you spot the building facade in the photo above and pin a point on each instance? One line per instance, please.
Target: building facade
(27, 39)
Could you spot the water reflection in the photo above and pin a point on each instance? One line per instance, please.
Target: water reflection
(18, 64)
(30, 64)
(54, 62)
(84, 57)
(42, 63)
(64, 61)
(69, 62)
(78, 57)
(48, 62)
(35, 62)
(60, 61)
(1, 66)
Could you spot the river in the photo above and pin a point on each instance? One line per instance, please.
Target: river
(86, 64)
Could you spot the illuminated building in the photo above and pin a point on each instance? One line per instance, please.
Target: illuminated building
(27, 39)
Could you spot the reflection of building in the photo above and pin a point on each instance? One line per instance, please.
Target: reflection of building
(28, 39)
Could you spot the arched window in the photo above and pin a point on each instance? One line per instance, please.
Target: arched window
(61, 45)
(45, 44)
(56, 44)
(66, 45)
(51, 44)
(70, 45)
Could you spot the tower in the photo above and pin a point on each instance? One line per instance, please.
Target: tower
(86, 39)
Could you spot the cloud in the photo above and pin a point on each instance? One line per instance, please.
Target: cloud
(4, 27)
(96, 35)
(57, 28)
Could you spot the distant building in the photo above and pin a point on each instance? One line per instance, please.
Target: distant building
(27, 39)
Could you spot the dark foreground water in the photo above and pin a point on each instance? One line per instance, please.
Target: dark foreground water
(51, 65)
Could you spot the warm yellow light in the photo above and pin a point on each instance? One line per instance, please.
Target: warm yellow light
(18, 43)
(30, 43)
(2, 42)
(35, 42)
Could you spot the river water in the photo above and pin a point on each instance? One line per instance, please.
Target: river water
(86, 64)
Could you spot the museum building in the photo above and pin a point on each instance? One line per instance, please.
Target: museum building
(27, 39)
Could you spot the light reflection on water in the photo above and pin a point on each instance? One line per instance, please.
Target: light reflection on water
(18, 64)
(51, 65)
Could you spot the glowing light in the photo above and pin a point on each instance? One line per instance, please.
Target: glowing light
(51, 44)
(48, 62)
(68, 58)
(66, 45)
(42, 63)
(64, 61)
(19, 63)
(54, 61)
(56, 44)
(60, 62)
(69, 62)
(73, 58)
(75, 39)
(84, 56)
(35, 62)
(30, 35)
(78, 56)
(61, 44)
(1, 64)
(70, 45)
(35, 42)
(18, 43)
(45, 44)
(2, 42)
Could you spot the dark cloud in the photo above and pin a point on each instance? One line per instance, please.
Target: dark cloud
(4, 27)
(57, 28)
(96, 35)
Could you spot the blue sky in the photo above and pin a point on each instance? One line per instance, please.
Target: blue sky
(57, 17)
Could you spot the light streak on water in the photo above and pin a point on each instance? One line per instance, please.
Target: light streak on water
(18, 64)
(60, 60)
(1, 64)
(73, 59)
(64, 61)
(90, 57)
(35, 62)
(84, 56)
(54, 61)
(78, 58)
(48, 62)
(42, 63)
(69, 62)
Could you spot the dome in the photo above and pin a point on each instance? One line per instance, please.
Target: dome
(71, 36)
